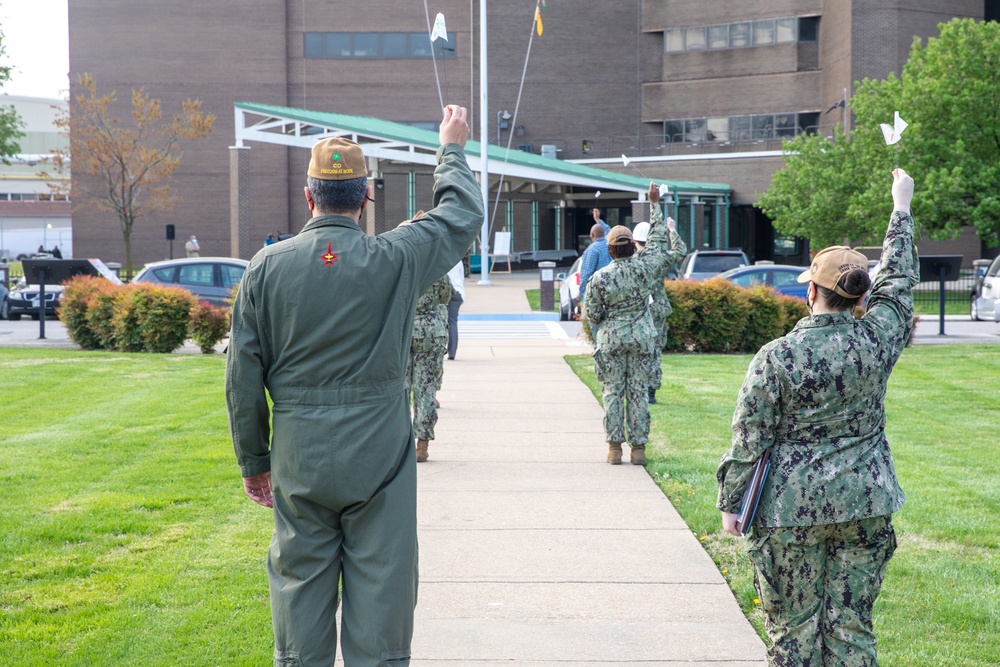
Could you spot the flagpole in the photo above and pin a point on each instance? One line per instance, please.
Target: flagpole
(484, 145)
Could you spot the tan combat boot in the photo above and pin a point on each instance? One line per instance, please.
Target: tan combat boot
(422, 450)
(638, 455)
(615, 453)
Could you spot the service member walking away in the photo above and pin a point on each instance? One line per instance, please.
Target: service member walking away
(823, 532)
(659, 305)
(322, 324)
(425, 368)
(617, 300)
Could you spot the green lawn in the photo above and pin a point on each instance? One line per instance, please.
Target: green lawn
(940, 604)
(126, 538)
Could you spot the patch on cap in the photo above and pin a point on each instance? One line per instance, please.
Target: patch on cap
(337, 159)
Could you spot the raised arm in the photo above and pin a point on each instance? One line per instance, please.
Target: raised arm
(890, 304)
(656, 251)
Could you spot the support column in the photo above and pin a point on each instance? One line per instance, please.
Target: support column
(240, 242)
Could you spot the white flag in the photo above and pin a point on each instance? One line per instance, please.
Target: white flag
(597, 194)
(439, 28)
(625, 160)
(664, 190)
(891, 134)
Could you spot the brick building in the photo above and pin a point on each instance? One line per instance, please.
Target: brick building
(692, 91)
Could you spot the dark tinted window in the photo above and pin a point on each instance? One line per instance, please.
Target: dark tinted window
(231, 275)
(808, 29)
(716, 263)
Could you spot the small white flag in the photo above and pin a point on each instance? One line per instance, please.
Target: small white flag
(664, 190)
(597, 194)
(892, 133)
(439, 28)
(625, 160)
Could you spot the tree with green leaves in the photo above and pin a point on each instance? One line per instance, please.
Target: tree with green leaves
(129, 164)
(834, 190)
(11, 125)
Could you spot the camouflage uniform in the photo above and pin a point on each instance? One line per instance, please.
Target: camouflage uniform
(659, 307)
(617, 299)
(427, 347)
(823, 531)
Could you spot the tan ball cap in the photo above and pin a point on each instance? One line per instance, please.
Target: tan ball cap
(619, 235)
(831, 264)
(337, 159)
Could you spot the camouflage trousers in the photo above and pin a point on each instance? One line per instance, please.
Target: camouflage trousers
(424, 372)
(624, 374)
(659, 312)
(817, 586)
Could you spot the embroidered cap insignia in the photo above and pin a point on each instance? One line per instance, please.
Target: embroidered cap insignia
(329, 257)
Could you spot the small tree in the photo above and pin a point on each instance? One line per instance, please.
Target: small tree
(11, 125)
(130, 164)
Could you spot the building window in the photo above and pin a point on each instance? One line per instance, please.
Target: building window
(741, 35)
(377, 45)
(763, 33)
(785, 31)
(694, 39)
(735, 129)
(809, 29)
(673, 40)
(718, 36)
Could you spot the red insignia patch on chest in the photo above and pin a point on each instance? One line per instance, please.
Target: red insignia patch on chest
(329, 257)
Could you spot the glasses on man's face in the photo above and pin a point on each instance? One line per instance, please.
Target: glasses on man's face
(369, 199)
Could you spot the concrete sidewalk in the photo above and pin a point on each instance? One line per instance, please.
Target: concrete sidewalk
(534, 551)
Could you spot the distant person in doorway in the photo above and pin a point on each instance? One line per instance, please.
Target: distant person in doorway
(457, 278)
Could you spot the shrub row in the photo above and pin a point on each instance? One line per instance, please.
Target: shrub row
(138, 317)
(718, 316)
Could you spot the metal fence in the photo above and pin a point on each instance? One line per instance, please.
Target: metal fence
(957, 293)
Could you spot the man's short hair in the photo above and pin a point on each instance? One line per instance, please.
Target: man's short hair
(597, 231)
(333, 197)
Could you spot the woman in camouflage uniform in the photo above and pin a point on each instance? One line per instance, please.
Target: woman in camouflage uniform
(823, 534)
(618, 299)
(426, 365)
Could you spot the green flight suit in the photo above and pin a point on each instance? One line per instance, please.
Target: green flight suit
(823, 531)
(427, 348)
(659, 305)
(322, 324)
(617, 299)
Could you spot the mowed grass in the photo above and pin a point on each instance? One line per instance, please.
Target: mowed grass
(126, 538)
(940, 604)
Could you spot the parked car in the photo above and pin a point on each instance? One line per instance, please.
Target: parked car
(782, 277)
(703, 264)
(983, 300)
(210, 279)
(569, 291)
(24, 300)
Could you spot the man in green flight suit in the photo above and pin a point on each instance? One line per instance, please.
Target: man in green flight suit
(322, 324)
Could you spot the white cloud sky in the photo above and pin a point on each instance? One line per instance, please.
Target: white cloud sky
(36, 38)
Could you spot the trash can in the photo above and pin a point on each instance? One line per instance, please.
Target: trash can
(546, 283)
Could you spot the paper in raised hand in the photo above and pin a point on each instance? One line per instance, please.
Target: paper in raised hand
(891, 133)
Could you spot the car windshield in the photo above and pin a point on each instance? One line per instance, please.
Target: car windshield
(717, 263)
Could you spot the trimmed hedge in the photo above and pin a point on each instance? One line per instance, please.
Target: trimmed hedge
(132, 318)
(209, 325)
(717, 316)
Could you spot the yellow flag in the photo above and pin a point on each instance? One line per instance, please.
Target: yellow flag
(538, 20)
